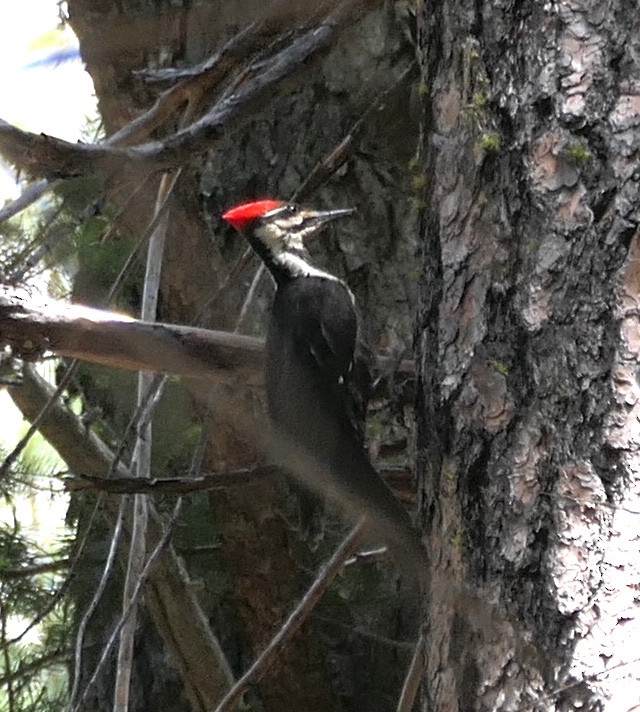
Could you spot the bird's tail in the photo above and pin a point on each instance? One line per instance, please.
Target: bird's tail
(350, 480)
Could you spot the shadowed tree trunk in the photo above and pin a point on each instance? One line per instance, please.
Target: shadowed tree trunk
(252, 583)
(527, 352)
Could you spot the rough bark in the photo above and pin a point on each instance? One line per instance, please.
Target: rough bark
(376, 255)
(527, 352)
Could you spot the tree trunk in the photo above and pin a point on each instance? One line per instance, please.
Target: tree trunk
(527, 351)
(249, 590)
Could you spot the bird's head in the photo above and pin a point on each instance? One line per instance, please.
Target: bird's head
(280, 227)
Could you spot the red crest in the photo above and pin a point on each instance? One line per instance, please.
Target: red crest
(243, 214)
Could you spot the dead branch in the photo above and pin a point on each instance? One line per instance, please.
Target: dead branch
(414, 676)
(55, 657)
(32, 328)
(34, 570)
(201, 483)
(95, 600)
(119, 341)
(170, 485)
(270, 19)
(194, 80)
(141, 460)
(283, 452)
(28, 196)
(298, 616)
(198, 79)
(47, 156)
(169, 597)
(336, 158)
(145, 573)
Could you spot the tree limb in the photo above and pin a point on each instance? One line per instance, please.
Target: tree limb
(412, 680)
(47, 156)
(201, 483)
(33, 570)
(30, 194)
(170, 599)
(119, 341)
(27, 668)
(170, 485)
(32, 328)
(298, 616)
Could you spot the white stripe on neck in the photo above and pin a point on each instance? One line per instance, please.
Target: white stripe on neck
(299, 267)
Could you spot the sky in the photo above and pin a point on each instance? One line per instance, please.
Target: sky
(50, 99)
(38, 97)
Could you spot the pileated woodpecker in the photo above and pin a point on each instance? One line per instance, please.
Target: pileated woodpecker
(310, 350)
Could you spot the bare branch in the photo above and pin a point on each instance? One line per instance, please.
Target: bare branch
(281, 451)
(122, 342)
(200, 79)
(330, 164)
(269, 19)
(119, 341)
(147, 570)
(195, 80)
(249, 297)
(32, 328)
(367, 633)
(33, 570)
(298, 616)
(141, 459)
(413, 678)
(363, 557)
(186, 485)
(46, 156)
(170, 485)
(28, 196)
(33, 666)
(106, 572)
(169, 597)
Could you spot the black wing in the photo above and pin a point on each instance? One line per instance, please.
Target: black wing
(310, 355)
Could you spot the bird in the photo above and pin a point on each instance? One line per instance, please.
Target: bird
(312, 361)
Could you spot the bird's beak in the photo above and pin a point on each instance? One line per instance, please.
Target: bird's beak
(320, 218)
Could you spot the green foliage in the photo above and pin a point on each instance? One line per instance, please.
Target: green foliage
(77, 194)
(475, 111)
(457, 540)
(490, 142)
(66, 230)
(501, 368)
(34, 624)
(34, 617)
(101, 261)
(578, 153)
(57, 231)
